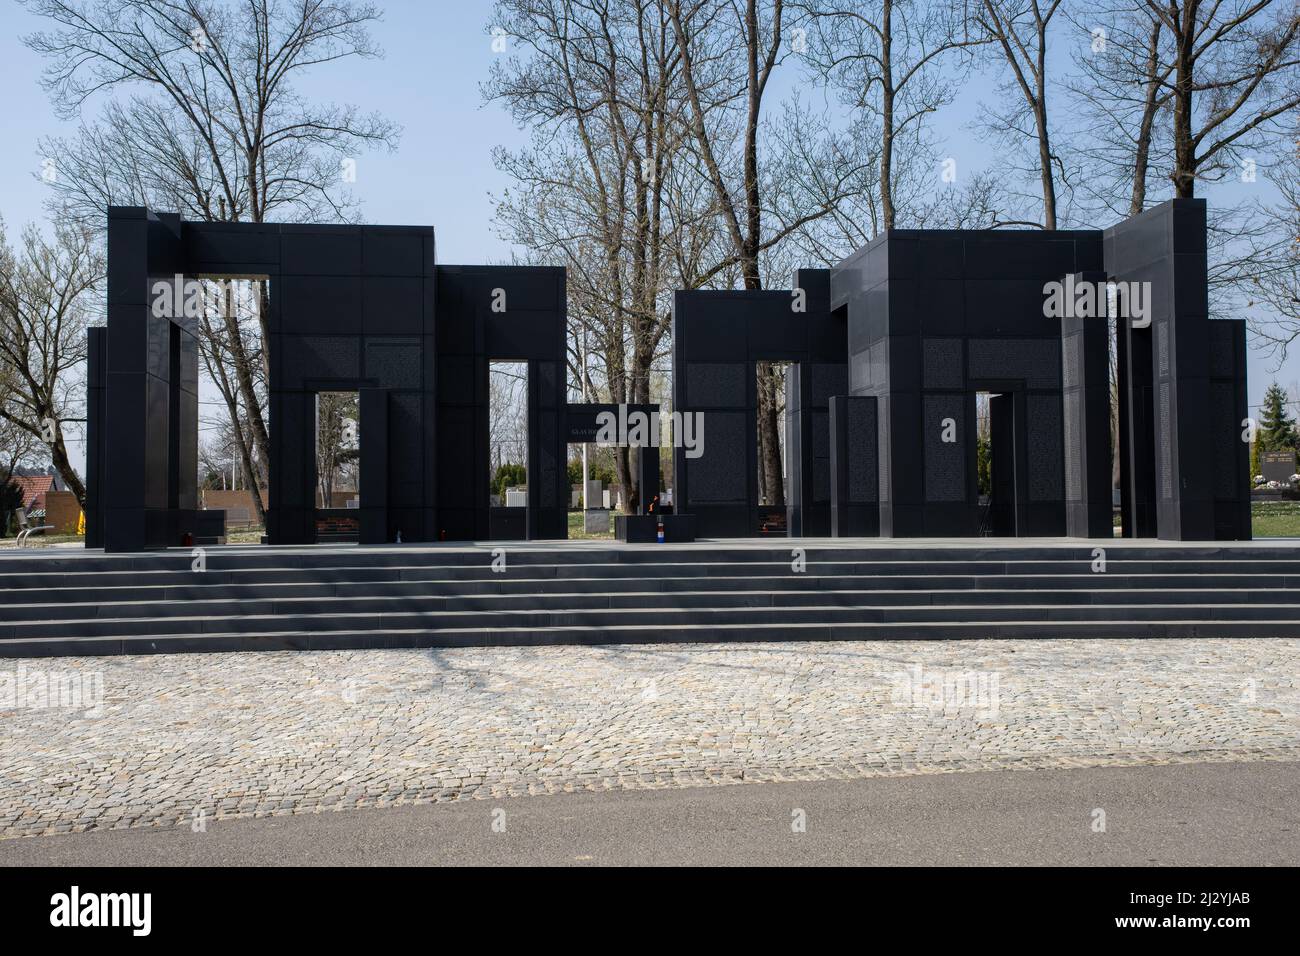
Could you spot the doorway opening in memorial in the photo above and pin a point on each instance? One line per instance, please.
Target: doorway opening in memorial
(507, 450)
(337, 494)
(997, 465)
(771, 426)
(592, 515)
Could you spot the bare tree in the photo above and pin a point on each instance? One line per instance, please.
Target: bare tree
(507, 415)
(217, 458)
(1274, 280)
(1234, 79)
(216, 129)
(1019, 29)
(221, 333)
(1122, 82)
(46, 302)
(729, 51)
(618, 185)
(337, 450)
(892, 62)
(17, 447)
(602, 190)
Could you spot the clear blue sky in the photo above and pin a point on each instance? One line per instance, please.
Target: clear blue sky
(436, 55)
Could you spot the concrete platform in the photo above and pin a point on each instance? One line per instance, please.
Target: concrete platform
(703, 544)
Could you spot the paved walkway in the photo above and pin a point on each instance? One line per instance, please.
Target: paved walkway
(184, 739)
(1197, 814)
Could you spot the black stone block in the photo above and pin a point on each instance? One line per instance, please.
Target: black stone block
(128, 262)
(336, 252)
(321, 305)
(231, 247)
(386, 252)
(941, 307)
(392, 306)
(518, 333)
(1018, 257)
(942, 257)
(127, 342)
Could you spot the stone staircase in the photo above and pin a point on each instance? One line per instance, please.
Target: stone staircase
(63, 602)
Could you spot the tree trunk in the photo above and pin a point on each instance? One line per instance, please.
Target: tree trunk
(244, 373)
(769, 434)
(247, 467)
(1045, 163)
(59, 456)
(1184, 175)
(212, 351)
(887, 115)
(1142, 150)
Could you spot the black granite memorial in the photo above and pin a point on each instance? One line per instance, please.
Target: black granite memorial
(927, 319)
(1185, 469)
(352, 308)
(718, 338)
(583, 424)
(889, 351)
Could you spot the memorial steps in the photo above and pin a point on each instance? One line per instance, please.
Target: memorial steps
(59, 603)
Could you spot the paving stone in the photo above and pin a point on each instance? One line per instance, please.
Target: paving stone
(240, 735)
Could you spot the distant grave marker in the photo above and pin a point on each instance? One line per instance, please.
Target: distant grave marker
(1277, 465)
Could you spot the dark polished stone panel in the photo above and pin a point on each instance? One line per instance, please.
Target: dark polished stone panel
(719, 475)
(945, 462)
(320, 357)
(1046, 479)
(863, 476)
(711, 385)
(828, 380)
(393, 362)
(1036, 361)
(943, 363)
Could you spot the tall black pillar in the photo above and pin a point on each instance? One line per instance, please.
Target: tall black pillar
(96, 449)
(374, 469)
(1165, 393)
(1086, 409)
(144, 258)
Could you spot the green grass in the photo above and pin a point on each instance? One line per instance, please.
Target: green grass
(1275, 519)
(245, 536)
(576, 532)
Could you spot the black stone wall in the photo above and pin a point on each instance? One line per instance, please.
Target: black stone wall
(471, 335)
(96, 434)
(148, 407)
(352, 308)
(888, 346)
(718, 337)
(935, 316)
(1185, 469)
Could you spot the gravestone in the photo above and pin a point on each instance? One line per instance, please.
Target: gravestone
(1277, 465)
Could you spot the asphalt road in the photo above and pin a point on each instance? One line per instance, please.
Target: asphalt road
(1190, 814)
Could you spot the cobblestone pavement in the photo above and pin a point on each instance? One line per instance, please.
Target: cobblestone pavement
(180, 739)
